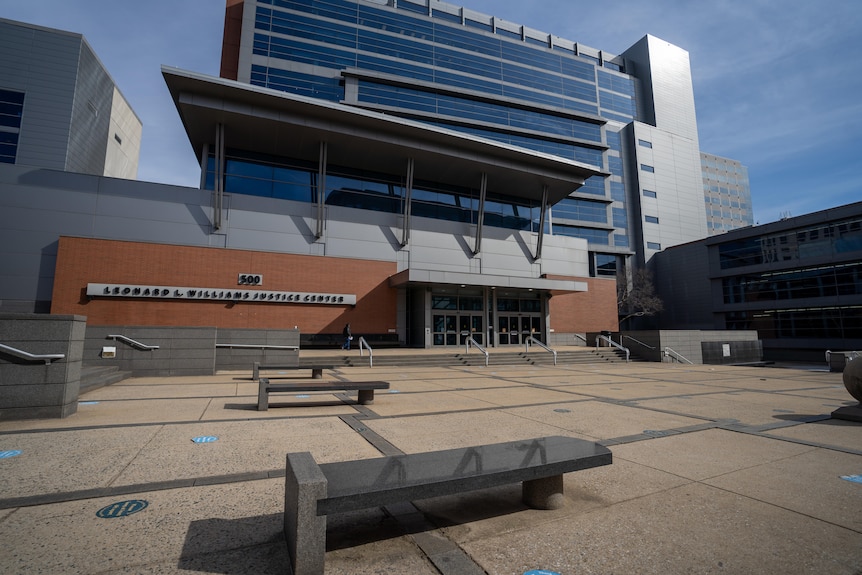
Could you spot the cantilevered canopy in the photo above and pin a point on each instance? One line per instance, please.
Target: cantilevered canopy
(272, 122)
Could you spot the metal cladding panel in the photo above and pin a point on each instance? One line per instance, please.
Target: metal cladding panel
(43, 64)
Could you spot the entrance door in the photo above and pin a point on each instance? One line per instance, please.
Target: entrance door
(471, 325)
(445, 329)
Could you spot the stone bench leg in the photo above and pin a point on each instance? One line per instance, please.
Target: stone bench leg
(546, 493)
(316, 374)
(255, 370)
(304, 530)
(262, 395)
(366, 396)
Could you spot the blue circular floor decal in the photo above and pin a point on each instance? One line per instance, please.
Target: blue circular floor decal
(88, 403)
(205, 439)
(122, 508)
(302, 396)
(10, 453)
(541, 572)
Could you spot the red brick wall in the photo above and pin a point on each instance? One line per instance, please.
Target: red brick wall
(81, 261)
(231, 39)
(589, 311)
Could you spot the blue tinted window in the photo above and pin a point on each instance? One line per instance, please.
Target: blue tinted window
(621, 240)
(583, 210)
(653, 246)
(649, 194)
(297, 83)
(594, 185)
(651, 219)
(395, 23)
(648, 168)
(614, 140)
(618, 191)
(446, 16)
(11, 110)
(410, 6)
(615, 165)
(606, 264)
(620, 218)
(616, 103)
(508, 33)
(479, 25)
(8, 147)
(599, 237)
(616, 83)
(467, 40)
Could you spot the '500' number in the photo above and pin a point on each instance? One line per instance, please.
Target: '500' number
(250, 279)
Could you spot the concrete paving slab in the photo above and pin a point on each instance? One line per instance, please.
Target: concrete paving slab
(642, 390)
(451, 430)
(172, 454)
(521, 395)
(178, 524)
(62, 461)
(690, 529)
(788, 482)
(748, 408)
(706, 454)
(831, 432)
(478, 382)
(437, 402)
(149, 391)
(599, 420)
(119, 412)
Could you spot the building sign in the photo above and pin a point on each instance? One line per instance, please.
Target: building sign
(217, 294)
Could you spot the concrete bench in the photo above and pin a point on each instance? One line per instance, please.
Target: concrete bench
(365, 389)
(316, 370)
(313, 491)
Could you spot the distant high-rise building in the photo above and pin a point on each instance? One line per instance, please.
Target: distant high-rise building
(726, 193)
(59, 107)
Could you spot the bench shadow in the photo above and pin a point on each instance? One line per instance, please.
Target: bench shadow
(253, 406)
(235, 546)
(256, 544)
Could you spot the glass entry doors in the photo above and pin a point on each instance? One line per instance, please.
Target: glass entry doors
(455, 317)
(514, 330)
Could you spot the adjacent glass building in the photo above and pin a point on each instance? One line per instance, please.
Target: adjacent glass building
(726, 193)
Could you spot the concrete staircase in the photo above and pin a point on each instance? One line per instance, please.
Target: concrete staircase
(96, 376)
(475, 358)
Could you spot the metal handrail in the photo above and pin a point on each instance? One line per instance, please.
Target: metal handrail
(364, 345)
(253, 346)
(646, 345)
(853, 354)
(46, 357)
(132, 342)
(612, 343)
(669, 352)
(470, 341)
(580, 337)
(530, 339)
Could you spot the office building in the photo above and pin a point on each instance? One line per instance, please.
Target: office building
(797, 281)
(59, 107)
(422, 171)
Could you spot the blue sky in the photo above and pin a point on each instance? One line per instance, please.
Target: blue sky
(778, 84)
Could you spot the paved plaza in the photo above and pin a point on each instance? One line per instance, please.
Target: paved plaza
(717, 469)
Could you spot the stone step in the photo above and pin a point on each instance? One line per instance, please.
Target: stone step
(96, 376)
(420, 359)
